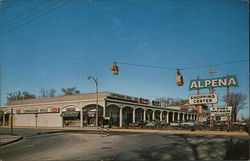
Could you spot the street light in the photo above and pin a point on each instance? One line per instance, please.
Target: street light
(96, 83)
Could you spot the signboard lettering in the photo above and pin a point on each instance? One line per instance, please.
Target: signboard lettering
(221, 111)
(227, 81)
(34, 111)
(144, 101)
(70, 109)
(203, 99)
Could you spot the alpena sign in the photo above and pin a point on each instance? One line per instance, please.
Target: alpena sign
(227, 81)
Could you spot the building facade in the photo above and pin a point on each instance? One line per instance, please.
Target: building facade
(80, 111)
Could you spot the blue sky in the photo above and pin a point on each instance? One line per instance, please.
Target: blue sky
(61, 48)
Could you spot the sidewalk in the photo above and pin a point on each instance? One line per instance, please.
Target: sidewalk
(7, 139)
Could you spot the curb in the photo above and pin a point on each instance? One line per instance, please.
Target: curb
(142, 131)
(13, 141)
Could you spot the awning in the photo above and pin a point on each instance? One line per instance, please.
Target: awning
(70, 114)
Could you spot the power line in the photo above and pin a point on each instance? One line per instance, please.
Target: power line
(3, 9)
(187, 68)
(36, 17)
(24, 15)
(204, 66)
(147, 66)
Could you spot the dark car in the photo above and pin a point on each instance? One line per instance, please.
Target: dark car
(140, 123)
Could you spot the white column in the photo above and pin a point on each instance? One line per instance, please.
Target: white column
(173, 117)
(144, 115)
(81, 117)
(3, 119)
(104, 112)
(167, 117)
(133, 115)
(153, 115)
(183, 116)
(161, 116)
(120, 117)
(178, 116)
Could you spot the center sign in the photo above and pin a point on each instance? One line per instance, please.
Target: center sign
(203, 99)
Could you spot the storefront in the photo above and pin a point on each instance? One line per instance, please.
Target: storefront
(71, 116)
(80, 111)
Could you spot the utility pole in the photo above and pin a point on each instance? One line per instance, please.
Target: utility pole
(11, 121)
(36, 118)
(96, 83)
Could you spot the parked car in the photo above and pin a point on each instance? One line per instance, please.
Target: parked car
(217, 123)
(153, 123)
(134, 124)
(177, 123)
(189, 123)
(163, 123)
(138, 123)
(142, 123)
(205, 123)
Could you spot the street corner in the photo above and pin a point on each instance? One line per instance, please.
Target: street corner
(6, 139)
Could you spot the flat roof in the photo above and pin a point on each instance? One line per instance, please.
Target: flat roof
(86, 96)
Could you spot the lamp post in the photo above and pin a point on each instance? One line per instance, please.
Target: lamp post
(96, 83)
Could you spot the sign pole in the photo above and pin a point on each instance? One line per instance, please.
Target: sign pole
(212, 92)
(228, 103)
(197, 106)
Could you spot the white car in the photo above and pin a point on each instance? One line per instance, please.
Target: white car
(174, 124)
(187, 123)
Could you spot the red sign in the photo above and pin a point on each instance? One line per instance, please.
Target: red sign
(144, 101)
(54, 110)
(18, 111)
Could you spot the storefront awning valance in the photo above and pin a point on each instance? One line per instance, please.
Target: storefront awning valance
(70, 114)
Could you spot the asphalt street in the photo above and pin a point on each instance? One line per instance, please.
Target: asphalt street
(39, 144)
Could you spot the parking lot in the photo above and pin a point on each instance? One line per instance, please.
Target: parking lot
(189, 125)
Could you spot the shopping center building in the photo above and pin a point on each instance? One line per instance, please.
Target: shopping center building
(80, 111)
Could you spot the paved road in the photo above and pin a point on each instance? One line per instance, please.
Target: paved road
(88, 145)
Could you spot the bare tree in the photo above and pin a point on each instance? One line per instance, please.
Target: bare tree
(47, 93)
(70, 91)
(52, 92)
(237, 101)
(43, 93)
(18, 95)
(169, 101)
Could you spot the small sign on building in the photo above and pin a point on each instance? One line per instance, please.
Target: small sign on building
(203, 99)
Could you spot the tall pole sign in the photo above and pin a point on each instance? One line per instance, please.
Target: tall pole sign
(197, 84)
(227, 81)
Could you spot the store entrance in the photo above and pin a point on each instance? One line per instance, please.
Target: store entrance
(71, 118)
(89, 115)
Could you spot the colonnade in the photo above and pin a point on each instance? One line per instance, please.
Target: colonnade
(149, 114)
